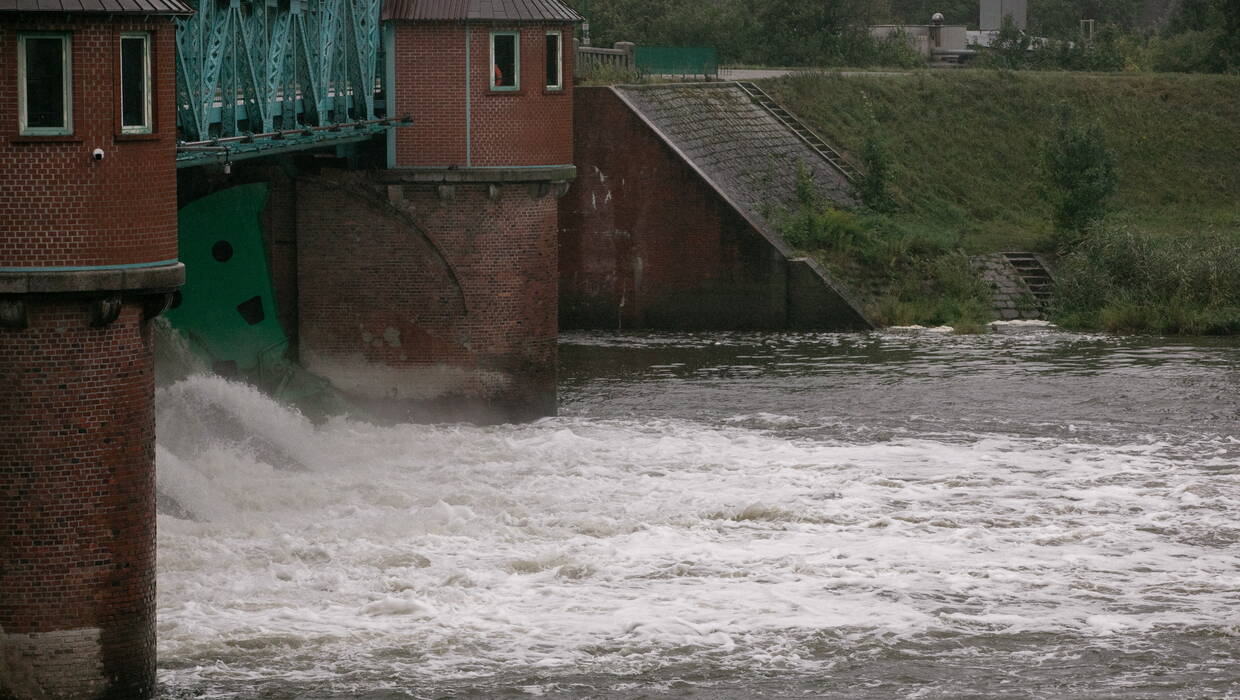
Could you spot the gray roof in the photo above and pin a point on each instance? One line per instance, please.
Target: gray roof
(111, 7)
(513, 11)
(739, 146)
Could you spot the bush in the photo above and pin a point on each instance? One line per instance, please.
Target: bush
(1080, 177)
(608, 74)
(873, 185)
(1189, 52)
(1122, 281)
(906, 276)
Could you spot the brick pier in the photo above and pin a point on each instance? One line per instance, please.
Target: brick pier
(88, 254)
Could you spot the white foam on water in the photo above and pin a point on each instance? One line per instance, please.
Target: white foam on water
(416, 554)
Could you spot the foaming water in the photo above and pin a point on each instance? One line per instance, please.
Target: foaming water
(724, 516)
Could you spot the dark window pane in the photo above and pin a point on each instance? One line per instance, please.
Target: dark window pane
(505, 60)
(553, 60)
(45, 83)
(133, 81)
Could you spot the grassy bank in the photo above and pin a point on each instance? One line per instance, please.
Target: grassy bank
(963, 154)
(1122, 281)
(965, 146)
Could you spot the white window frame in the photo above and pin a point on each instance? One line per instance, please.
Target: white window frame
(66, 56)
(147, 125)
(559, 60)
(516, 61)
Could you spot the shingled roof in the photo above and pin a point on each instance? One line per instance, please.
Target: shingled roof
(736, 144)
(110, 7)
(509, 11)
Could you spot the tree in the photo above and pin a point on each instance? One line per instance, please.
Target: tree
(1080, 177)
(873, 185)
(1010, 49)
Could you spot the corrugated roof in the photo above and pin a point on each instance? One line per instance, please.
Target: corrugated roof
(112, 7)
(515, 11)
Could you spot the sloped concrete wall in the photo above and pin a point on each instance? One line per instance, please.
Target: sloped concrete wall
(666, 234)
(646, 243)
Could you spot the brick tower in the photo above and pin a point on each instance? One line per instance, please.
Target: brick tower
(432, 283)
(88, 254)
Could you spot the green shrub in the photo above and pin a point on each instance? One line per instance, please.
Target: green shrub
(873, 186)
(1123, 281)
(1080, 177)
(1188, 52)
(906, 276)
(608, 74)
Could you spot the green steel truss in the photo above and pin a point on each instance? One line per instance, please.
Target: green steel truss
(258, 66)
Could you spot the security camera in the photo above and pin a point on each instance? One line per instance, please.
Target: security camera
(97, 154)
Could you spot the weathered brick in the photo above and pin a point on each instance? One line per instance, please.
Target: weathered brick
(447, 306)
(531, 126)
(77, 491)
(62, 208)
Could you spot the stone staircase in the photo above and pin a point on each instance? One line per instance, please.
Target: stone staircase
(1034, 274)
(1021, 282)
(813, 140)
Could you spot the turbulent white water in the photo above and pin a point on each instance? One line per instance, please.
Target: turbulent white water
(607, 553)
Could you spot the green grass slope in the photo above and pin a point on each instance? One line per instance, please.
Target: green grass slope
(965, 146)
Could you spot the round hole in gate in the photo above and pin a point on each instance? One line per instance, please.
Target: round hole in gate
(222, 251)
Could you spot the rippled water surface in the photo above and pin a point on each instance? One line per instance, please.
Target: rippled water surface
(1041, 515)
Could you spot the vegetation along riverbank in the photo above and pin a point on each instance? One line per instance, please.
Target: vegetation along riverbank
(1129, 181)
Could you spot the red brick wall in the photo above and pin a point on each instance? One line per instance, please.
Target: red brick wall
(454, 312)
(645, 243)
(61, 208)
(77, 491)
(532, 126)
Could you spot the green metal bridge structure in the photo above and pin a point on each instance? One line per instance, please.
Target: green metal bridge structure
(259, 77)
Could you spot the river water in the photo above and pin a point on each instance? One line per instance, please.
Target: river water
(1028, 515)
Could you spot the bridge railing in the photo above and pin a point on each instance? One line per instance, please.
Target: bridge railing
(593, 60)
(258, 66)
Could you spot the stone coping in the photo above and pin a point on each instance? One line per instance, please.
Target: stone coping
(163, 277)
(541, 173)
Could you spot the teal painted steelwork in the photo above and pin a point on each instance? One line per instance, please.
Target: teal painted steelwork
(226, 311)
(93, 268)
(677, 60)
(389, 85)
(257, 66)
(190, 156)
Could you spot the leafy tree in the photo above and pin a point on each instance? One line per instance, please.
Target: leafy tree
(1061, 19)
(1080, 176)
(919, 11)
(873, 186)
(1010, 49)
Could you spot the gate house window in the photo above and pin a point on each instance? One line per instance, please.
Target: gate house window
(44, 84)
(136, 83)
(505, 61)
(555, 70)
